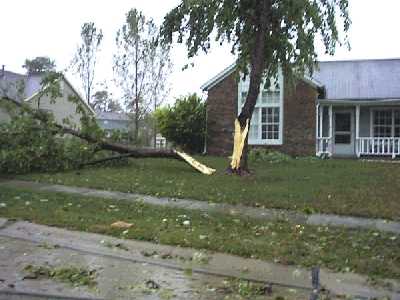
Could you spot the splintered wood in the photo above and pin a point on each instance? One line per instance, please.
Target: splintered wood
(195, 164)
(239, 140)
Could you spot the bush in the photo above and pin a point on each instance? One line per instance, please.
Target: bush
(264, 155)
(184, 124)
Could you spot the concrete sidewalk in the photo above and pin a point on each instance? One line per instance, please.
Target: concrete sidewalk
(239, 210)
(123, 267)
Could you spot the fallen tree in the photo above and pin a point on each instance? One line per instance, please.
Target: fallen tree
(104, 144)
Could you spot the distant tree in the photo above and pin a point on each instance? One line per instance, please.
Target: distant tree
(102, 101)
(184, 124)
(266, 35)
(85, 58)
(40, 64)
(141, 65)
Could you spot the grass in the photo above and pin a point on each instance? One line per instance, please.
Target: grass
(347, 187)
(339, 249)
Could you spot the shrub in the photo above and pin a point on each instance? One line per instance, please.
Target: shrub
(264, 155)
(184, 124)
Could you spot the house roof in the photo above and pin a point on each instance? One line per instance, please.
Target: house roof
(218, 78)
(370, 80)
(31, 87)
(360, 79)
(229, 70)
(114, 116)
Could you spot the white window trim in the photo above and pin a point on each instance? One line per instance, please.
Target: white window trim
(372, 119)
(242, 87)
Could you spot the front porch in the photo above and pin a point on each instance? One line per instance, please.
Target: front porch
(358, 128)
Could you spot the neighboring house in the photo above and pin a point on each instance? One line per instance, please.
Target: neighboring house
(348, 108)
(26, 89)
(113, 121)
(161, 142)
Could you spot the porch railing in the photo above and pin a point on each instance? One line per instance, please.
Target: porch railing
(324, 145)
(379, 146)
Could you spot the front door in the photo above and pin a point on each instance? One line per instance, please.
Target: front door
(343, 136)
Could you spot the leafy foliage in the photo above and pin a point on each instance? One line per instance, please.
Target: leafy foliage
(34, 141)
(141, 65)
(71, 275)
(27, 144)
(292, 27)
(103, 102)
(184, 123)
(40, 64)
(85, 57)
(264, 155)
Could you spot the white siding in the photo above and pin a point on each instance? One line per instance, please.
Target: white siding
(62, 108)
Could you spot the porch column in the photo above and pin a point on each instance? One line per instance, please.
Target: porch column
(321, 120)
(317, 136)
(357, 130)
(392, 143)
(331, 129)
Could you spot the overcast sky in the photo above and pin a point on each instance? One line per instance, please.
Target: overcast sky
(52, 28)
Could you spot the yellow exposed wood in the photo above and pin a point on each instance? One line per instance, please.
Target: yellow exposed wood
(239, 140)
(195, 164)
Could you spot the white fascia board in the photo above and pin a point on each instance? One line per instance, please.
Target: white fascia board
(218, 78)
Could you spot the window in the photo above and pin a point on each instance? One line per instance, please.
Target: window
(270, 123)
(382, 123)
(397, 123)
(265, 127)
(268, 97)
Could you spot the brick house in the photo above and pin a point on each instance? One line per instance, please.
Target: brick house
(348, 108)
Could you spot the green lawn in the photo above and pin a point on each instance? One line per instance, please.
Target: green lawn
(347, 187)
(365, 252)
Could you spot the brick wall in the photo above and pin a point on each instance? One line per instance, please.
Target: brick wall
(298, 119)
(221, 113)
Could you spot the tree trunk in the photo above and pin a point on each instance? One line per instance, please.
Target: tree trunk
(257, 67)
(136, 130)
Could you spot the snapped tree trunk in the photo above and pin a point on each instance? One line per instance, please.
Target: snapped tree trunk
(257, 67)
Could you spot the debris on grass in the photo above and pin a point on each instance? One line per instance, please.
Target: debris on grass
(121, 225)
(188, 271)
(71, 275)
(200, 257)
(167, 294)
(48, 246)
(114, 245)
(244, 288)
(149, 253)
(152, 285)
(147, 287)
